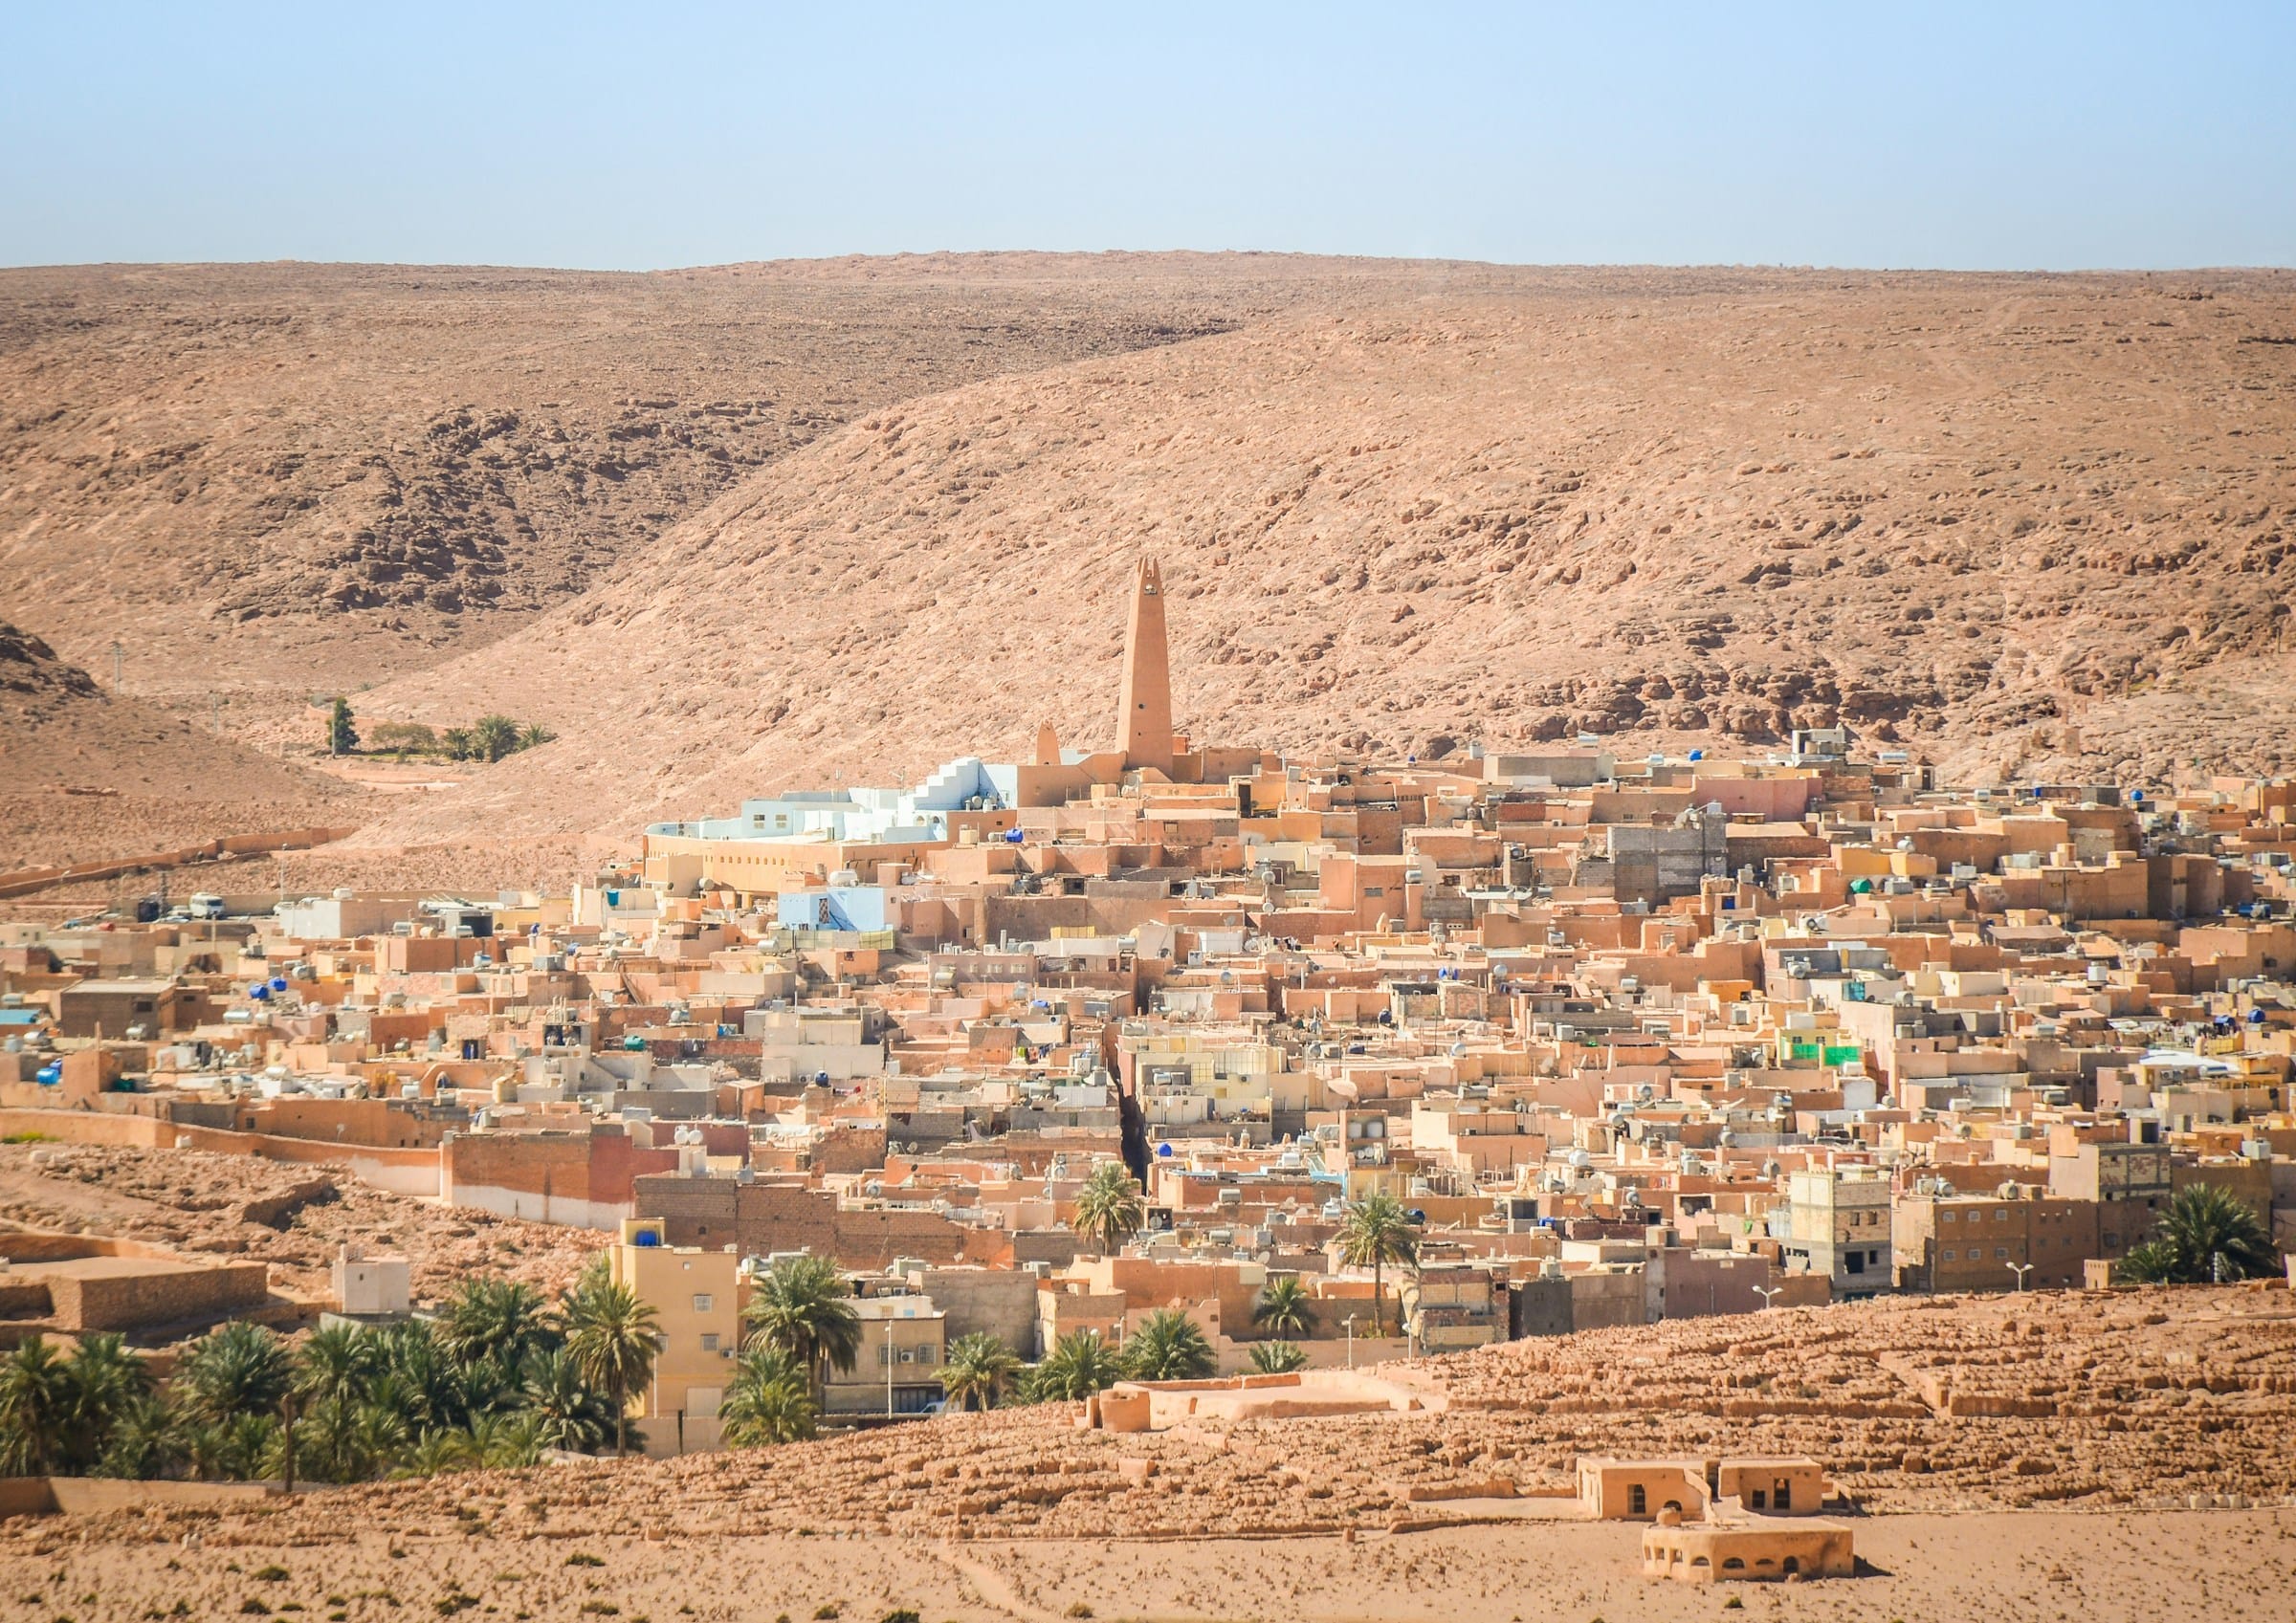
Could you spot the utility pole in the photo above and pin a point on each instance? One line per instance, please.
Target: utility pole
(888, 1367)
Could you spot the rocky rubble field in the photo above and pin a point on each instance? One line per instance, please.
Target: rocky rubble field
(290, 1216)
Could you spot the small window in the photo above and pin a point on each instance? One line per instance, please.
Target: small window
(1949, 1253)
(1951, 1217)
(2001, 1253)
(2002, 1215)
(704, 1304)
(709, 1343)
(1637, 1500)
(1758, 1501)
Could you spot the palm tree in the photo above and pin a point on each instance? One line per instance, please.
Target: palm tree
(1080, 1365)
(1109, 1208)
(146, 1442)
(566, 1414)
(769, 1400)
(612, 1340)
(980, 1367)
(247, 1443)
(438, 1452)
(418, 1380)
(1277, 1358)
(325, 1442)
(1377, 1231)
(377, 1438)
(801, 1307)
(337, 1362)
(35, 1408)
(102, 1382)
(2208, 1236)
(495, 1319)
(237, 1369)
(1169, 1345)
(1284, 1306)
(507, 1442)
(495, 736)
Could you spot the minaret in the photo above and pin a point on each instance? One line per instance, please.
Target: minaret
(1144, 711)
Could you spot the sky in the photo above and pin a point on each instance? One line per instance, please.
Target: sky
(636, 137)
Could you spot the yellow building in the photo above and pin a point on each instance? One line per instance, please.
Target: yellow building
(696, 1299)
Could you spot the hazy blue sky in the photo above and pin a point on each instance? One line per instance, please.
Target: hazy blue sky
(637, 135)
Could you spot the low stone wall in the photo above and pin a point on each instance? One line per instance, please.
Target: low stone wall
(1161, 1405)
(92, 1496)
(23, 881)
(154, 1294)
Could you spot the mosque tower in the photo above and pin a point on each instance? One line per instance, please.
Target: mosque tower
(1144, 711)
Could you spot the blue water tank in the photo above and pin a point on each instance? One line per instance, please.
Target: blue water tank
(49, 1075)
(1697, 754)
(1163, 1152)
(260, 994)
(645, 1237)
(1015, 836)
(278, 984)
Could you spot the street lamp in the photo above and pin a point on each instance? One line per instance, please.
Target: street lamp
(2020, 1270)
(1769, 1293)
(889, 1365)
(1351, 1341)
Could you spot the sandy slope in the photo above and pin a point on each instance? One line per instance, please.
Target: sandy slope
(87, 773)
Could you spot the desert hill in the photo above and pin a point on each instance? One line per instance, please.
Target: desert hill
(91, 774)
(305, 477)
(2038, 522)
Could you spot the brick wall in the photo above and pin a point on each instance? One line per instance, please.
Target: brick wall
(759, 1218)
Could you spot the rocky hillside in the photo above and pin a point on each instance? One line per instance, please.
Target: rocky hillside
(304, 476)
(2040, 524)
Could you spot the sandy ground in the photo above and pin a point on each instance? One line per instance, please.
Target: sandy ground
(2006, 1568)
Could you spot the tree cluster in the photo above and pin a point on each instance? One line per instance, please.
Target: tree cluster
(499, 1377)
(490, 739)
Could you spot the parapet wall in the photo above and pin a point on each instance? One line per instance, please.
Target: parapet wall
(402, 1171)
